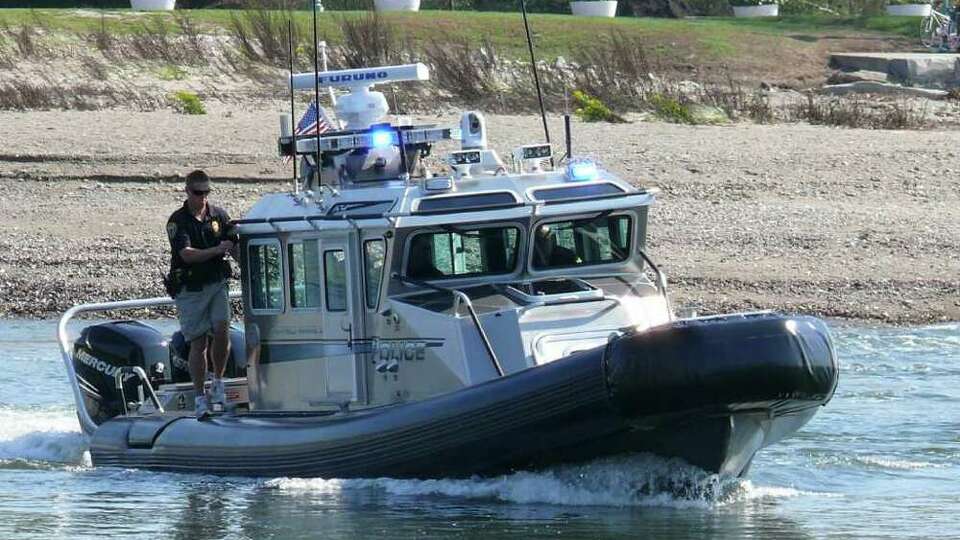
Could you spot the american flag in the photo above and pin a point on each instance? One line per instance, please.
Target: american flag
(313, 121)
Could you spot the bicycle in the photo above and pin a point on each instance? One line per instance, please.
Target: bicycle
(936, 31)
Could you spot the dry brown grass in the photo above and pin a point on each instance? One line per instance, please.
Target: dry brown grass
(371, 40)
(156, 40)
(858, 112)
(466, 72)
(264, 35)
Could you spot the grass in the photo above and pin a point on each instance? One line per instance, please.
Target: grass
(188, 102)
(688, 71)
(714, 38)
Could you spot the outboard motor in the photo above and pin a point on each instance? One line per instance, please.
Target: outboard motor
(180, 352)
(104, 349)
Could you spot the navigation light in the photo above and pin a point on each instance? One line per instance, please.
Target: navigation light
(581, 169)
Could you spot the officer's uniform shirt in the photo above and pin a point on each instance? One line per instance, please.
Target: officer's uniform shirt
(184, 230)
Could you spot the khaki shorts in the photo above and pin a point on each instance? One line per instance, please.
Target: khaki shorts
(199, 311)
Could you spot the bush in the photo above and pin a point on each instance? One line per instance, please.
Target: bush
(188, 102)
(591, 109)
(670, 109)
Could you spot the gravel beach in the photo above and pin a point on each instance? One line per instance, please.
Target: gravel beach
(843, 223)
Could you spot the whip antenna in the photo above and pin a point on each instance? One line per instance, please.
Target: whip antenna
(293, 116)
(316, 91)
(533, 63)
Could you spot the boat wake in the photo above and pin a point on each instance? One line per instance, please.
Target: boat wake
(634, 480)
(39, 438)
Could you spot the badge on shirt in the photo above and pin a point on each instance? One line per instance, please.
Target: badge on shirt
(171, 229)
(215, 225)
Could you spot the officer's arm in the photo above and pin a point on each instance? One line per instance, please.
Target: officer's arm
(233, 235)
(192, 255)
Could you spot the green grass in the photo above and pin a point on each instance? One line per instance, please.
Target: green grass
(554, 34)
(188, 102)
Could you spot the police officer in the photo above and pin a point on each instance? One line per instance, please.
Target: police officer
(200, 235)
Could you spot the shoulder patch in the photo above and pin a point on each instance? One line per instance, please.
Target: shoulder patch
(215, 225)
(171, 229)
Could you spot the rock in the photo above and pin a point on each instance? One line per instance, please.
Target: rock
(868, 87)
(844, 77)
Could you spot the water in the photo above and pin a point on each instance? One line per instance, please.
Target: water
(882, 460)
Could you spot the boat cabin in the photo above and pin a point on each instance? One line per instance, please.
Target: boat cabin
(383, 278)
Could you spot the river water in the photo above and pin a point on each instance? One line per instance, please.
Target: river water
(881, 460)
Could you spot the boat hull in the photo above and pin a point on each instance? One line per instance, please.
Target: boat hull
(711, 392)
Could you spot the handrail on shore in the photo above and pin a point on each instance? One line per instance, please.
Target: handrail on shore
(86, 421)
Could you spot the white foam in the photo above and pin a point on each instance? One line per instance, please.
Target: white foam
(42, 435)
(638, 480)
(895, 464)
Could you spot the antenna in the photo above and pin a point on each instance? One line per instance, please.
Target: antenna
(316, 92)
(566, 125)
(323, 56)
(293, 116)
(536, 76)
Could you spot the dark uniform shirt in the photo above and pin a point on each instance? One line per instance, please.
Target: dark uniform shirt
(184, 230)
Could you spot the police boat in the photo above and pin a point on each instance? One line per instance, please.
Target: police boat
(495, 315)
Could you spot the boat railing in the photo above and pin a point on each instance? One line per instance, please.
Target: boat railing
(661, 281)
(142, 375)
(63, 337)
(461, 297)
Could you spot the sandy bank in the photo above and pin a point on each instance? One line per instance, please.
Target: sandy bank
(844, 223)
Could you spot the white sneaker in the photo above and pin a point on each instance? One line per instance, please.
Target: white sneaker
(201, 406)
(218, 394)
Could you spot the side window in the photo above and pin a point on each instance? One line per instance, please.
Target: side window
(303, 259)
(373, 255)
(335, 275)
(266, 282)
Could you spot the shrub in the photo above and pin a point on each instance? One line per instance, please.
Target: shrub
(591, 109)
(671, 109)
(188, 102)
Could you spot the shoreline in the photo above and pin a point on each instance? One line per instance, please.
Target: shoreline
(853, 225)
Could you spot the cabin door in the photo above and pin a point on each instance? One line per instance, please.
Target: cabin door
(339, 328)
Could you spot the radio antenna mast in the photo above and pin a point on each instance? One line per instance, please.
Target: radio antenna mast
(316, 91)
(533, 63)
(293, 116)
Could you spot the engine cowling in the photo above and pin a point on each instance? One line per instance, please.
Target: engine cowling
(102, 350)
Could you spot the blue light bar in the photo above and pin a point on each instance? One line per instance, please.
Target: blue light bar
(581, 169)
(381, 138)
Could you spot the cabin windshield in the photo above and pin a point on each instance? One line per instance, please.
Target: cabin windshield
(598, 240)
(463, 252)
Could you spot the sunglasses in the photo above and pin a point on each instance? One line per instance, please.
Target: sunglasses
(200, 192)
